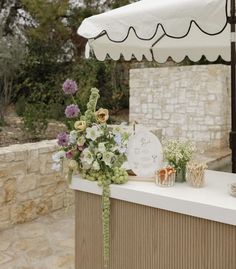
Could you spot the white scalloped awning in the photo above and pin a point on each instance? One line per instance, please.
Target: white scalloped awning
(158, 29)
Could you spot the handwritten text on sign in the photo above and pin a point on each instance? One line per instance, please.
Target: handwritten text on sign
(144, 154)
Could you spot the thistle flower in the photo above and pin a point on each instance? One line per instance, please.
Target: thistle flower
(63, 139)
(72, 111)
(70, 87)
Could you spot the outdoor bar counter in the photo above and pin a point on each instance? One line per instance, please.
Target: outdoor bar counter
(153, 227)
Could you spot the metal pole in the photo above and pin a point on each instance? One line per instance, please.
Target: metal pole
(233, 87)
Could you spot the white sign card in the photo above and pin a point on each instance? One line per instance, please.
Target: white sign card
(144, 154)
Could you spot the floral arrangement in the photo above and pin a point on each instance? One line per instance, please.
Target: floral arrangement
(93, 149)
(178, 153)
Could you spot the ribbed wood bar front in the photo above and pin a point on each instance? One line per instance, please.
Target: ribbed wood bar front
(144, 237)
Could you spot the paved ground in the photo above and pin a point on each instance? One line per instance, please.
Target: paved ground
(46, 243)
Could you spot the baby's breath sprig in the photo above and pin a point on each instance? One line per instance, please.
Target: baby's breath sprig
(178, 153)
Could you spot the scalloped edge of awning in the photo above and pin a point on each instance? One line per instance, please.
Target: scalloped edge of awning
(162, 60)
(87, 24)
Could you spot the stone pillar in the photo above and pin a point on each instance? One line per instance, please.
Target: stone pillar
(191, 102)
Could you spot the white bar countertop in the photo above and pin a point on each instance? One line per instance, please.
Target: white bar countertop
(212, 201)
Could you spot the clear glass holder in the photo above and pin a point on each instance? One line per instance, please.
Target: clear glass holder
(165, 177)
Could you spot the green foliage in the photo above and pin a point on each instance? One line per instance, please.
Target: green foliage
(56, 111)
(55, 53)
(35, 120)
(47, 39)
(20, 106)
(2, 123)
(12, 52)
(110, 78)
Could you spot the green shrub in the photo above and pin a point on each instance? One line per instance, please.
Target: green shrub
(56, 111)
(35, 120)
(20, 106)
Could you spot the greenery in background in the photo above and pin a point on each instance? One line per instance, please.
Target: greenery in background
(12, 52)
(55, 52)
(35, 120)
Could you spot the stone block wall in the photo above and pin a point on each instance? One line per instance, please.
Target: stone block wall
(191, 102)
(28, 186)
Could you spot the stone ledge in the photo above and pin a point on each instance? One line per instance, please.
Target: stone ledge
(29, 187)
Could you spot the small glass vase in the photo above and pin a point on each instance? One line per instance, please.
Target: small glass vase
(181, 174)
(165, 177)
(195, 174)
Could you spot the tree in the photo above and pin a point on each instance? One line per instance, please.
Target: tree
(12, 52)
(9, 16)
(56, 52)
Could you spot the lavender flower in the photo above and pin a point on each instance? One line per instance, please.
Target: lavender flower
(63, 139)
(72, 111)
(70, 87)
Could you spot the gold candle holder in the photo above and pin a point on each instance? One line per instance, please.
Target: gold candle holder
(165, 177)
(195, 174)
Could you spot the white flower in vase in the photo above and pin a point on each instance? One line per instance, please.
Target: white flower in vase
(93, 133)
(56, 157)
(96, 166)
(116, 130)
(101, 147)
(85, 165)
(73, 137)
(87, 156)
(108, 158)
(81, 140)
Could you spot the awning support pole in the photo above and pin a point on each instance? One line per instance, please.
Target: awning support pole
(233, 87)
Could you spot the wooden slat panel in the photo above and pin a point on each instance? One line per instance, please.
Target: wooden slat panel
(149, 238)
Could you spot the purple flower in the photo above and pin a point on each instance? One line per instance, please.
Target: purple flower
(70, 87)
(72, 111)
(69, 154)
(62, 139)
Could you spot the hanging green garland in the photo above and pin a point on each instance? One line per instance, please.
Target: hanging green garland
(116, 176)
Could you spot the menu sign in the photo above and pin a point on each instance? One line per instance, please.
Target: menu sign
(144, 154)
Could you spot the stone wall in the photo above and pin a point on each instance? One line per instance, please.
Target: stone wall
(28, 186)
(191, 102)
